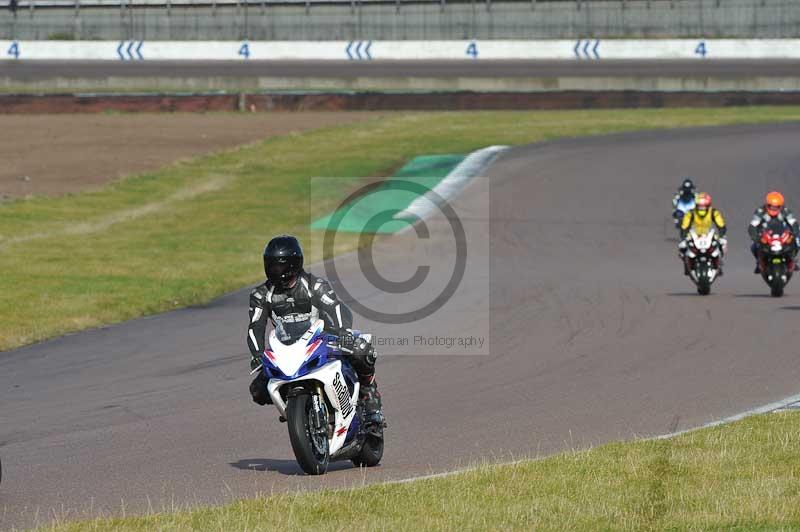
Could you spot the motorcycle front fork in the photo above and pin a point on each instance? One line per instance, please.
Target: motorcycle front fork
(319, 416)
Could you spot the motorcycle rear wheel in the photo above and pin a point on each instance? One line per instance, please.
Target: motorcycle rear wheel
(312, 460)
(371, 453)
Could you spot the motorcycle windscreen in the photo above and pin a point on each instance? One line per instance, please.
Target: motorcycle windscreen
(685, 205)
(289, 332)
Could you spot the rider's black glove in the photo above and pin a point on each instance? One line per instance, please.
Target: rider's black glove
(347, 341)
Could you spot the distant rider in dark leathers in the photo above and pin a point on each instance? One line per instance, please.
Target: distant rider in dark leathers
(772, 209)
(293, 299)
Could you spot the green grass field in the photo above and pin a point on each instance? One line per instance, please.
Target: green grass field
(742, 476)
(194, 230)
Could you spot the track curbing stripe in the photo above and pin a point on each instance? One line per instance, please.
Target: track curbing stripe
(449, 187)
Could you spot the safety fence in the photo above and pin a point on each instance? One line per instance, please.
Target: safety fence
(392, 20)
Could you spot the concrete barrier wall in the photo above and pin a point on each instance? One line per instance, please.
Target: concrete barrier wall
(389, 21)
(579, 50)
(434, 101)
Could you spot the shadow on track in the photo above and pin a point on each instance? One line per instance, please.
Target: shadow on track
(284, 467)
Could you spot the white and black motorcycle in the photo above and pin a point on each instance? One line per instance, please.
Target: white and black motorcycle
(316, 392)
(703, 256)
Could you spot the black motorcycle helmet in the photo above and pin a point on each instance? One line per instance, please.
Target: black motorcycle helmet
(687, 187)
(283, 260)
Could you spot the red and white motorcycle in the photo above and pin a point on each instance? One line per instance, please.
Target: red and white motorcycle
(776, 256)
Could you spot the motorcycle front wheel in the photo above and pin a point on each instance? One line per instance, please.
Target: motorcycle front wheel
(776, 289)
(703, 287)
(309, 443)
(777, 284)
(703, 284)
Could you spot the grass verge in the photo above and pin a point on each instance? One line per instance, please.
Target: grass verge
(741, 476)
(194, 230)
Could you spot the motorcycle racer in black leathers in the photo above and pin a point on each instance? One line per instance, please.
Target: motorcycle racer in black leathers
(291, 299)
(773, 208)
(685, 192)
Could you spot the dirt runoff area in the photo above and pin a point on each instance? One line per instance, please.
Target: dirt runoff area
(50, 155)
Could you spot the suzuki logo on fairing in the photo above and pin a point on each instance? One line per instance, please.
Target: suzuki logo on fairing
(342, 395)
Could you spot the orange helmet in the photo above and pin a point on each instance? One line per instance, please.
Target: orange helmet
(702, 203)
(773, 203)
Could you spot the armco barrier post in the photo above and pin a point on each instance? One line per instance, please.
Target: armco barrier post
(169, 19)
(76, 31)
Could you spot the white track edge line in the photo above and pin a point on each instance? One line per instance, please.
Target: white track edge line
(765, 409)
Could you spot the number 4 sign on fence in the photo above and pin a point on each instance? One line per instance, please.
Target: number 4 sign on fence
(701, 49)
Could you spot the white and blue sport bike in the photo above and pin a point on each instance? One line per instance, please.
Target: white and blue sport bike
(316, 392)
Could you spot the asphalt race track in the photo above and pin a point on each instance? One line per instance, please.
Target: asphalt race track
(595, 335)
(31, 71)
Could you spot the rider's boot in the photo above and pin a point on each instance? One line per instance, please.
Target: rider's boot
(258, 390)
(754, 251)
(685, 267)
(371, 399)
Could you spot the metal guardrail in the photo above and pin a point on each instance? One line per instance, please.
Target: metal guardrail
(79, 4)
(132, 4)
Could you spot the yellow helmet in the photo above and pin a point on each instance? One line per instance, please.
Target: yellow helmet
(702, 203)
